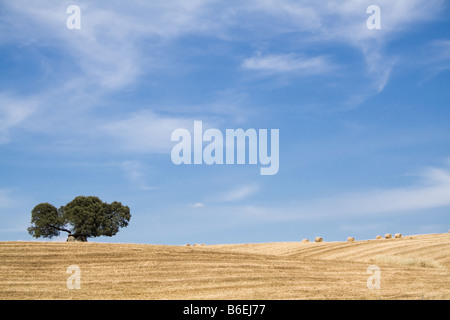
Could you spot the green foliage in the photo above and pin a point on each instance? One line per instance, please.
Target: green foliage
(82, 217)
(47, 221)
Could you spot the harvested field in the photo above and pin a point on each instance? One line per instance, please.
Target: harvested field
(412, 267)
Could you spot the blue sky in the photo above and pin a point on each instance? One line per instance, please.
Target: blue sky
(363, 116)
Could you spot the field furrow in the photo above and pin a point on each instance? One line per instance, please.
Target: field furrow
(411, 268)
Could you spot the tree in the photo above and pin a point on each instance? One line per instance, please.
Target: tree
(82, 218)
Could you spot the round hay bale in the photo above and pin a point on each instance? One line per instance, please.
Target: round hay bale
(318, 239)
(398, 235)
(350, 239)
(379, 237)
(305, 241)
(72, 238)
(388, 236)
(187, 245)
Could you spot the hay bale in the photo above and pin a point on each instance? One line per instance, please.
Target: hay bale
(187, 245)
(398, 235)
(379, 237)
(350, 239)
(305, 241)
(388, 236)
(318, 239)
(72, 238)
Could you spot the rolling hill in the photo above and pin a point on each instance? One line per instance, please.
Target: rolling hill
(413, 267)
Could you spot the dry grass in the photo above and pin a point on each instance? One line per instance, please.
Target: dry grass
(406, 261)
(331, 270)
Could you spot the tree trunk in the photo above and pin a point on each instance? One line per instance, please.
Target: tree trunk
(72, 237)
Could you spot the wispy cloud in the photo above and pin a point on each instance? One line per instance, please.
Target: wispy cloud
(118, 43)
(110, 49)
(436, 57)
(430, 191)
(142, 132)
(288, 63)
(13, 111)
(239, 193)
(342, 22)
(345, 23)
(443, 49)
(196, 205)
(379, 67)
(134, 172)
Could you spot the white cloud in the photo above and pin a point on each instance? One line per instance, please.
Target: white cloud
(142, 132)
(13, 111)
(118, 43)
(134, 172)
(100, 48)
(379, 67)
(436, 57)
(442, 47)
(239, 193)
(286, 63)
(196, 205)
(344, 22)
(432, 191)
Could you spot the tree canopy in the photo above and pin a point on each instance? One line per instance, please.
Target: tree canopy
(83, 217)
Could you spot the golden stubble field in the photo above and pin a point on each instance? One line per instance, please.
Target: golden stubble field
(414, 267)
